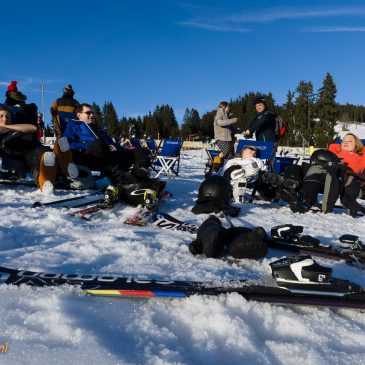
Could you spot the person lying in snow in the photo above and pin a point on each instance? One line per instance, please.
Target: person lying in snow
(337, 172)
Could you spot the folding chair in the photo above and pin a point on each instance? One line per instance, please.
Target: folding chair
(209, 165)
(264, 150)
(168, 159)
(136, 143)
(154, 149)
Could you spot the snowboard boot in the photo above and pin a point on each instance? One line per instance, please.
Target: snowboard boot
(280, 181)
(47, 172)
(64, 158)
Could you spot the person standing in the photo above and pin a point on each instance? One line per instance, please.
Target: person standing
(263, 125)
(66, 103)
(223, 130)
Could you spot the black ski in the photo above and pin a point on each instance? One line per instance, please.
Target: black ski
(330, 292)
(289, 238)
(280, 240)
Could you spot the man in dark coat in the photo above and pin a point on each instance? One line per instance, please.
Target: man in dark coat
(263, 125)
(65, 104)
(21, 112)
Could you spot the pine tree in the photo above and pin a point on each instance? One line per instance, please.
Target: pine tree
(304, 108)
(191, 124)
(327, 112)
(98, 114)
(111, 121)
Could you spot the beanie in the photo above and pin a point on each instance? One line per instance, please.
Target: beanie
(12, 86)
(68, 88)
(259, 100)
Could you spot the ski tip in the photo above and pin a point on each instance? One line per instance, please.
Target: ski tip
(37, 205)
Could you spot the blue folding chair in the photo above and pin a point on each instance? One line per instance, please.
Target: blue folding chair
(264, 150)
(154, 149)
(209, 165)
(136, 143)
(168, 159)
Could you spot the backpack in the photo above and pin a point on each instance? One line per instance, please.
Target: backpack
(280, 126)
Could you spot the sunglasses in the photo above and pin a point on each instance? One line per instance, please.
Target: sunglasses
(88, 112)
(251, 148)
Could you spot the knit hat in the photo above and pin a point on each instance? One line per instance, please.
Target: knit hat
(68, 88)
(12, 86)
(259, 100)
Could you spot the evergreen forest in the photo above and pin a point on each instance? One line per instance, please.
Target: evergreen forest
(310, 116)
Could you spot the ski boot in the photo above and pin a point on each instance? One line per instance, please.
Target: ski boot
(280, 181)
(111, 196)
(150, 200)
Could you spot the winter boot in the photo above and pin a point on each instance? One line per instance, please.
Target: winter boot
(280, 181)
(47, 172)
(64, 158)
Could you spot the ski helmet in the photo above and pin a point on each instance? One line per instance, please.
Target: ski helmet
(215, 189)
(324, 156)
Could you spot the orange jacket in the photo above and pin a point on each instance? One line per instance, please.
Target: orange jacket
(351, 159)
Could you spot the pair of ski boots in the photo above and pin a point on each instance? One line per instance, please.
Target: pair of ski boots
(288, 191)
(60, 160)
(112, 196)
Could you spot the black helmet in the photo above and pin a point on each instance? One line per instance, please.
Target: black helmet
(215, 189)
(324, 156)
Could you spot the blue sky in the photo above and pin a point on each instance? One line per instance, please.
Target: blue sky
(143, 53)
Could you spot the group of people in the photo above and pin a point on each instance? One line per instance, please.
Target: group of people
(336, 172)
(22, 151)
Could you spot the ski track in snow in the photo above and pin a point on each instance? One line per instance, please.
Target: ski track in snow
(63, 326)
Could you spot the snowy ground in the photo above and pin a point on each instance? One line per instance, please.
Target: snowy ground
(63, 326)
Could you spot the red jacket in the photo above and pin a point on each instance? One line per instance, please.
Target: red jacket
(351, 159)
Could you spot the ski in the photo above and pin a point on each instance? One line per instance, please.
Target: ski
(140, 218)
(95, 195)
(166, 221)
(92, 211)
(353, 252)
(301, 281)
(19, 182)
(289, 238)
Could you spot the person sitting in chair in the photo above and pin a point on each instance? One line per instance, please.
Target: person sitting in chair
(23, 152)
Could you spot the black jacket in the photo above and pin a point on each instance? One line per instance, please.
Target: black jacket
(264, 126)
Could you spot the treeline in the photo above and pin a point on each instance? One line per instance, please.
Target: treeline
(310, 116)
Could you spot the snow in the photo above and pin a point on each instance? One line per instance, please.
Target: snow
(64, 326)
(356, 128)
